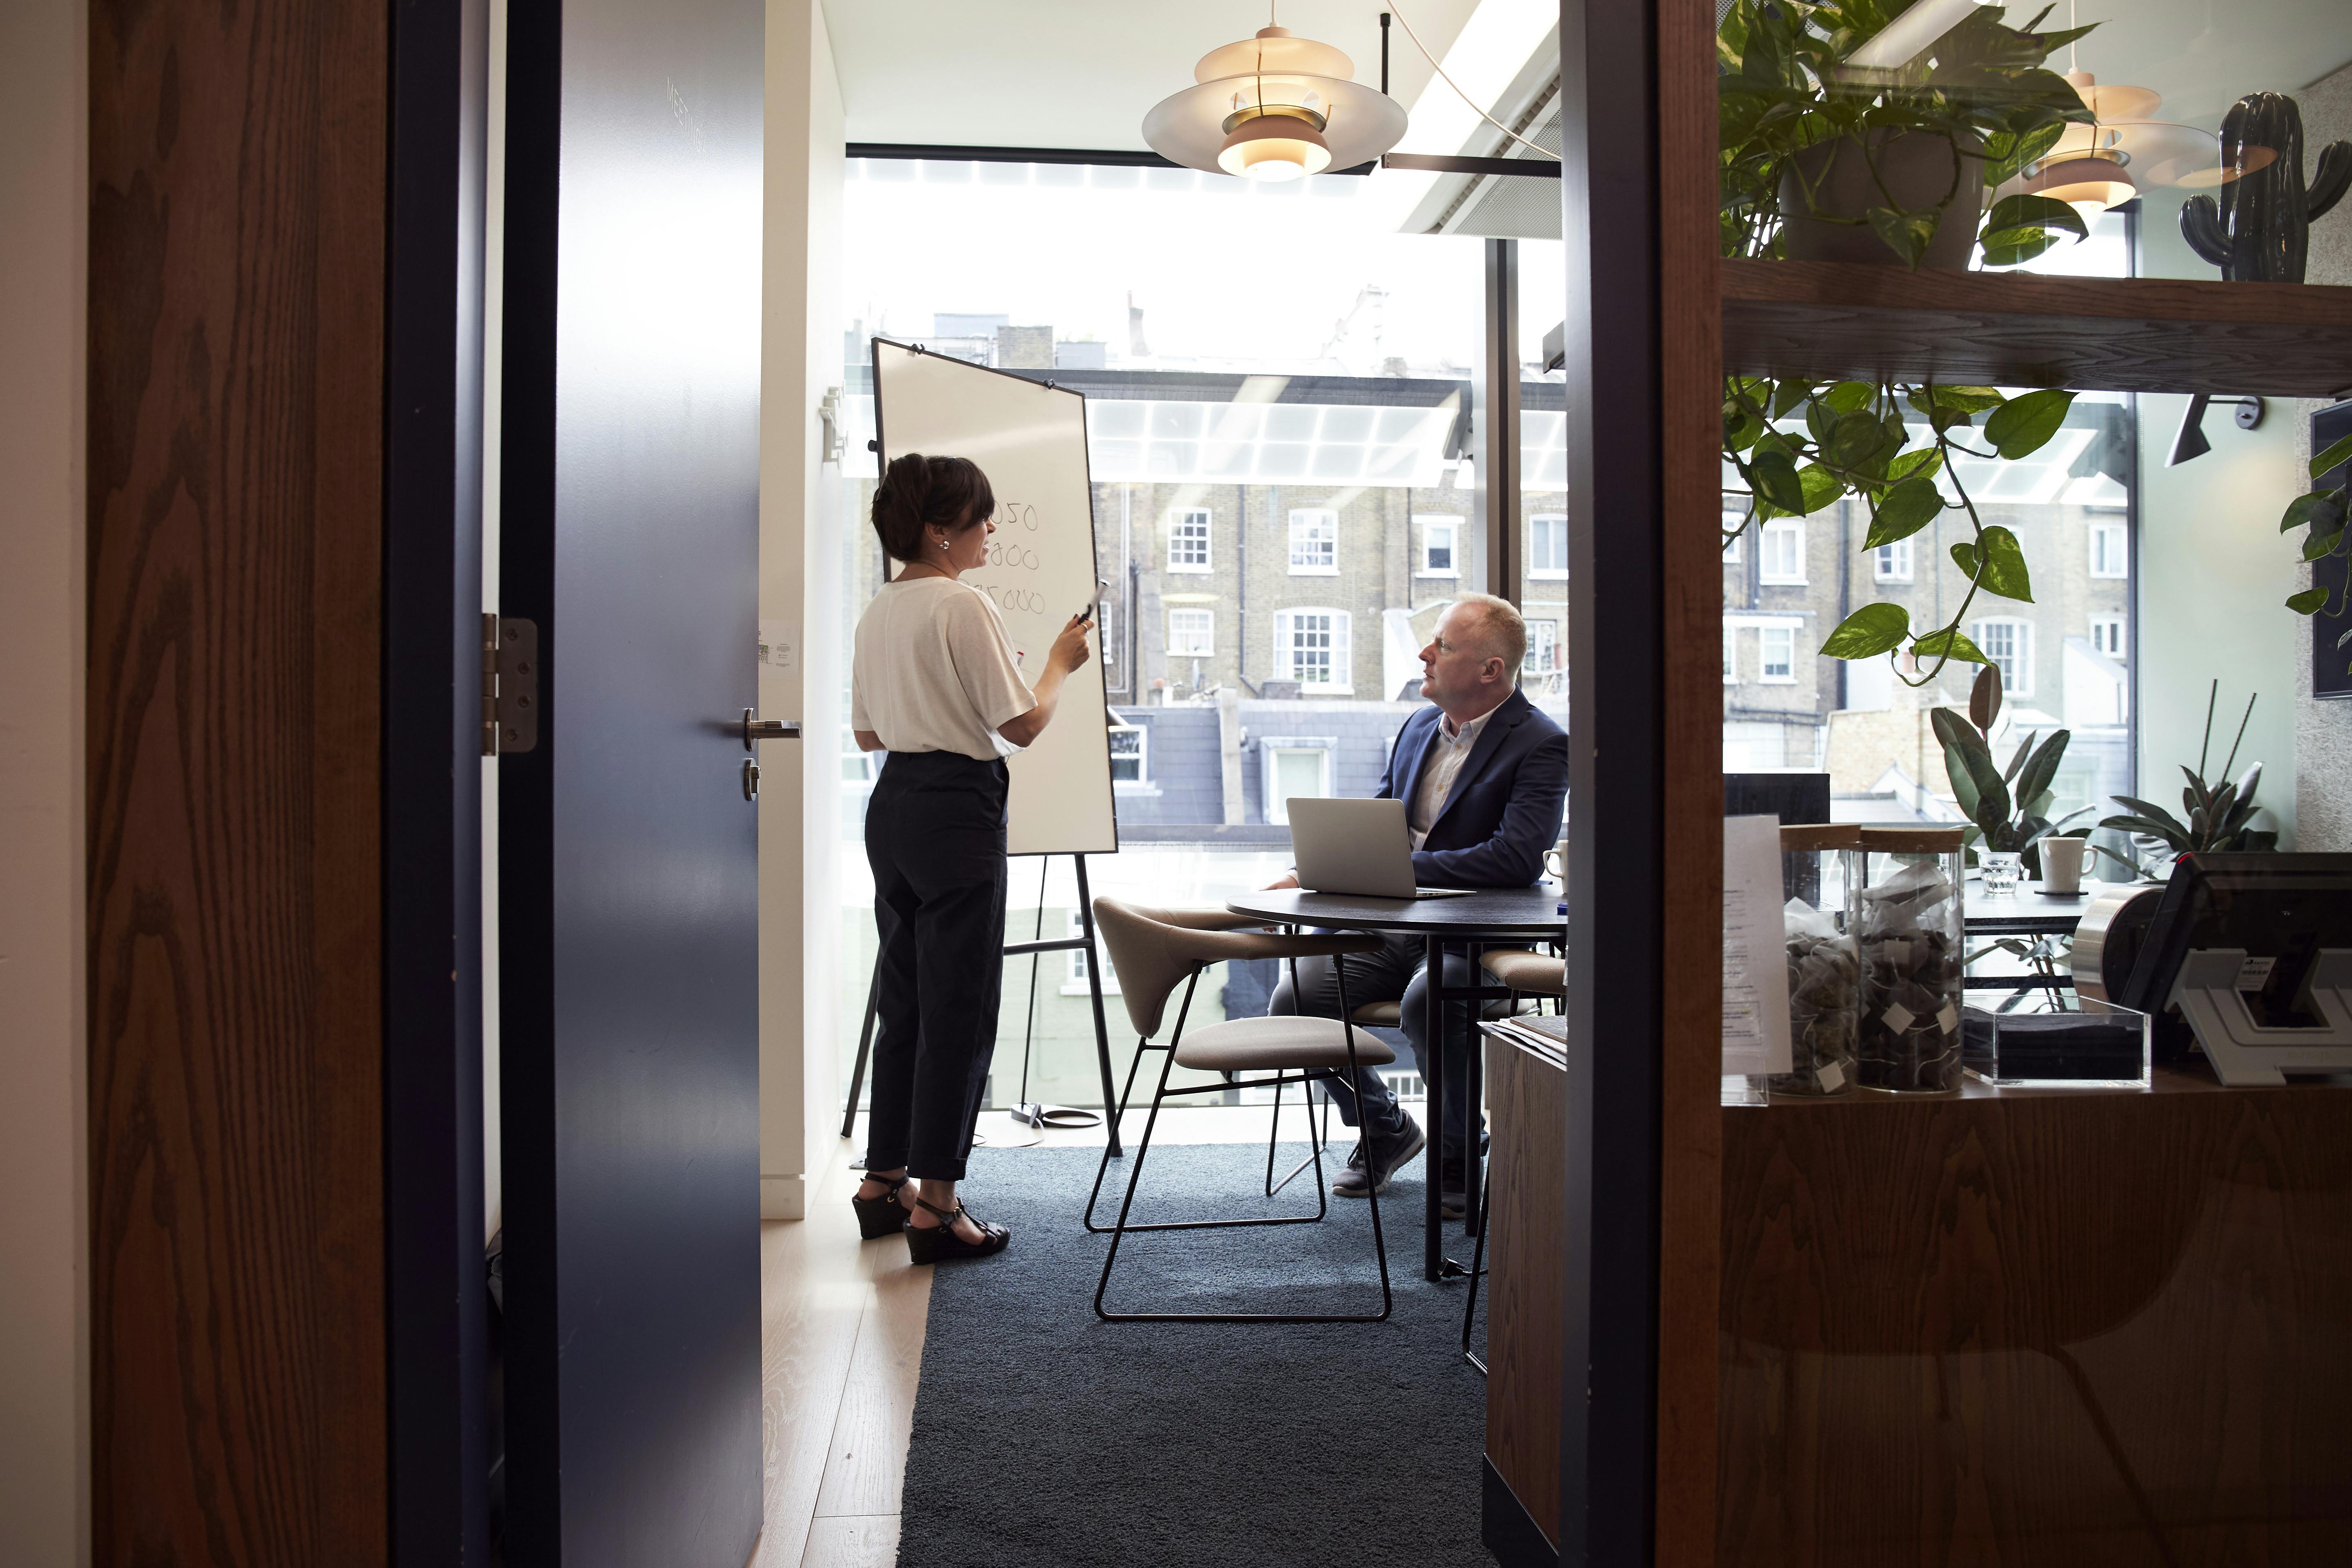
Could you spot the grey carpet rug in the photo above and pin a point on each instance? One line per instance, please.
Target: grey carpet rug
(1044, 1435)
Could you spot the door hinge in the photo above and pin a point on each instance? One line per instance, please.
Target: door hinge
(509, 685)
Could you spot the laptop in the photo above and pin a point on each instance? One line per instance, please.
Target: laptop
(1359, 848)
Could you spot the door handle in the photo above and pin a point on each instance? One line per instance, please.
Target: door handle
(757, 728)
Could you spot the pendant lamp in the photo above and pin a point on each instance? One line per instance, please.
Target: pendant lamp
(1273, 107)
(2129, 150)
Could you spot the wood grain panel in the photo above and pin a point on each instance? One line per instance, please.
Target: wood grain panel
(2112, 1328)
(1690, 361)
(1528, 1097)
(1825, 319)
(236, 161)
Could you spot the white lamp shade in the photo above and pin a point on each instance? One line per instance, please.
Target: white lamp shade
(2089, 186)
(1273, 147)
(1358, 124)
(1275, 49)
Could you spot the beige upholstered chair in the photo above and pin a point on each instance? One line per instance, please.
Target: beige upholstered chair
(1537, 974)
(1154, 950)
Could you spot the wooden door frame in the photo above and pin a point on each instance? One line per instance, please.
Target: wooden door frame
(1637, 1441)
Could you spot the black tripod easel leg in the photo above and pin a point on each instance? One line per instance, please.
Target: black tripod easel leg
(1093, 993)
(864, 1046)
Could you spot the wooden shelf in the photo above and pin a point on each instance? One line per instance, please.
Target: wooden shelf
(1839, 319)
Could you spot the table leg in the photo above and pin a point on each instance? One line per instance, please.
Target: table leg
(1473, 1097)
(1434, 1068)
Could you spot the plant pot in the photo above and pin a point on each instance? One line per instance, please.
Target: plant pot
(1918, 171)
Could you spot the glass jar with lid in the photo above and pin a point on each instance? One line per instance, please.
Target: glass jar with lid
(1817, 879)
(1905, 916)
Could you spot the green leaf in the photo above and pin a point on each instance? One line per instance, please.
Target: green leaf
(2024, 750)
(2307, 602)
(1964, 556)
(1853, 439)
(1922, 464)
(2033, 784)
(1905, 234)
(1904, 511)
(1787, 395)
(2023, 424)
(1950, 642)
(2320, 544)
(2319, 508)
(2004, 564)
(1848, 396)
(1969, 399)
(2014, 246)
(1821, 487)
(1871, 630)
(2035, 212)
(1984, 699)
(2339, 453)
(1774, 475)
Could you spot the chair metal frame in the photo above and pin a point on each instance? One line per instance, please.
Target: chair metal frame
(1121, 1229)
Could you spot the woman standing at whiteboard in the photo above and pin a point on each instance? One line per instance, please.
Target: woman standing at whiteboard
(934, 682)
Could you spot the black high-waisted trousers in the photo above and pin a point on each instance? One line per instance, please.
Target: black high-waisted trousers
(935, 838)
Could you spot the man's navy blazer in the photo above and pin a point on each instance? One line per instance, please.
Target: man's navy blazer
(1504, 810)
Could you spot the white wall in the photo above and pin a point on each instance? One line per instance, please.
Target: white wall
(2214, 575)
(799, 555)
(43, 1259)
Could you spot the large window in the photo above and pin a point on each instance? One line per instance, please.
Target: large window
(1782, 558)
(1188, 541)
(1314, 543)
(1310, 647)
(1548, 545)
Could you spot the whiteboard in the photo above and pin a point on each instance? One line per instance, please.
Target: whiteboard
(1029, 439)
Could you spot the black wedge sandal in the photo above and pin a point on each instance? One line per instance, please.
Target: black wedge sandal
(944, 1245)
(885, 1215)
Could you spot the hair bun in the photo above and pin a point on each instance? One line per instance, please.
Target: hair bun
(919, 494)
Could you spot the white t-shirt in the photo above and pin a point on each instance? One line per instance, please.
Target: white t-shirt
(933, 670)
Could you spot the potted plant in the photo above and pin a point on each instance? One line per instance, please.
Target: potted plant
(2007, 808)
(2219, 814)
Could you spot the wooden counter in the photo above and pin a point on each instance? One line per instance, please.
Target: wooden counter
(2069, 1328)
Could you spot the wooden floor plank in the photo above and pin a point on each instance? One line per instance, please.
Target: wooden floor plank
(868, 1461)
(853, 1541)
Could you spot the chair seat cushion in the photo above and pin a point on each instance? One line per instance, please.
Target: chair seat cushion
(1530, 971)
(1382, 1014)
(1259, 1045)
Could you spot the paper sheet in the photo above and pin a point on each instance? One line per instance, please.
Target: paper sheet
(1754, 948)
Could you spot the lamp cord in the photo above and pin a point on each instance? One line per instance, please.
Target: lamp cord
(1466, 97)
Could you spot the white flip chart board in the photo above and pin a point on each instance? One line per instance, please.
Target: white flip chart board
(1029, 439)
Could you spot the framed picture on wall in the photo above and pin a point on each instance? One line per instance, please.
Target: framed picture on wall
(2331, 628)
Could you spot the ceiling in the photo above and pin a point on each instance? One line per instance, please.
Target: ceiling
(1080, 73)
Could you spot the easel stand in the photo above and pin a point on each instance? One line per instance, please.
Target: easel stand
(1085, 941)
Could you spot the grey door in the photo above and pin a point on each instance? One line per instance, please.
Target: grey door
(628, 897)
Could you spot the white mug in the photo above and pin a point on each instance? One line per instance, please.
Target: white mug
(2063, 861)
(1556, 860)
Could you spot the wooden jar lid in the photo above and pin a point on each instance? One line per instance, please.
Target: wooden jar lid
(1919, 840)
(1796, 837)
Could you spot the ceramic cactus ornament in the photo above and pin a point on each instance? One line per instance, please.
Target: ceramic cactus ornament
(2259, 231)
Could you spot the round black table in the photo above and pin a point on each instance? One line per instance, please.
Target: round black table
(1487, 917)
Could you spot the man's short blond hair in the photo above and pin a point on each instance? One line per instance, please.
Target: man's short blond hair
(1502, 632)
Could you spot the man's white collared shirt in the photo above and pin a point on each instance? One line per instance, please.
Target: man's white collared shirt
(1449, 747)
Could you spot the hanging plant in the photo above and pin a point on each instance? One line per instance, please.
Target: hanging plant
(2323, 512)
(1786, 91)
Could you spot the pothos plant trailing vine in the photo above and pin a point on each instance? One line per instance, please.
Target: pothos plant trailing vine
(2325, 511)
(1799, 446)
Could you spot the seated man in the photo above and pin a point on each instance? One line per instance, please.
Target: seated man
(1484, 776)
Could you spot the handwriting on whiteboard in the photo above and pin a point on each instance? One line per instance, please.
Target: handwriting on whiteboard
(1014, 549)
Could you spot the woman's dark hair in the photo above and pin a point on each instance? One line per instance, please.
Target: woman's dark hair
(920, 494)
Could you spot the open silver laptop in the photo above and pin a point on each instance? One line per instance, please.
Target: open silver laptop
(1358, 847)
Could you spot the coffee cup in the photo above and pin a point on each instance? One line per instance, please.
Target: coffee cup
(1556, 860)
(2063, 864)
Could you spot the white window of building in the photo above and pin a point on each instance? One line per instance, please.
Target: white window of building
(1074, 983)
(1779, 644)
(2110, 553)
(1548, 545)
(2107, 635)
(2007, 642)
(1294, 768)
(1731, 656)
(1893, 563)
(1129, 749)
(1191, 634)
(1735, 518)
(1310, 647)
(1783, 548)
(1543, 647)
(1441, 544)
(1314, 543)
(1188, 541)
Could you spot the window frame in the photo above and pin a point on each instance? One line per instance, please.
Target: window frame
(1786, 528)
(1142, 734)
(1547, 574)
(1451, 524)
(1314, 517)
(1177, 517)
(2021, 654)
(1730, 654)
(1205, 614)
(1343, 649)
(1272, 750)
(2122, 624)
(1545, 641)
(1901, 560)
(1764, 639)
(1075, 961)
(1734, 514)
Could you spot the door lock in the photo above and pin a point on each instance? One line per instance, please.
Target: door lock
(751, 779)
